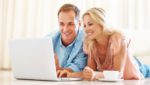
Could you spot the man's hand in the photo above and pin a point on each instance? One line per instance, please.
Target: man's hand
(61, 72)
(64, 72)
(57, 62)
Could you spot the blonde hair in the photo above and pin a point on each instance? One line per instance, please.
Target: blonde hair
(98, 16)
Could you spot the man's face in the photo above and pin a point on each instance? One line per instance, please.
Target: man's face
(68, 25)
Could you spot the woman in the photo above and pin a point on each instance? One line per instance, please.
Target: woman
(106, 49)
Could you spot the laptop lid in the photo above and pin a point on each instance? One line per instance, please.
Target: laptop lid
(33, 59)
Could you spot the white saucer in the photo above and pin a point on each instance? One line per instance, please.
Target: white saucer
(110, 80)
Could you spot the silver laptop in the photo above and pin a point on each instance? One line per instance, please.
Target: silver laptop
(34, 59)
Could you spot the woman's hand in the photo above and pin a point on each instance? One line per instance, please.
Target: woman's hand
(88, 73)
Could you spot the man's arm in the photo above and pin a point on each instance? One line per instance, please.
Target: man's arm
(74, 68)
(78, 63)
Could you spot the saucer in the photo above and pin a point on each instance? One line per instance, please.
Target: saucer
(110, 80)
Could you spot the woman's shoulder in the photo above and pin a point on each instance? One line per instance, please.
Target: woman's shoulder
(117, 35)
(120, 36)
(117, 42)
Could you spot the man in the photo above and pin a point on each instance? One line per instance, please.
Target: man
(68, 42)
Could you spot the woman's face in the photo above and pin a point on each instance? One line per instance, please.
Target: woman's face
(92, 29)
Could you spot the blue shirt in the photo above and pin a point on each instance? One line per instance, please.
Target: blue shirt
(71, 56)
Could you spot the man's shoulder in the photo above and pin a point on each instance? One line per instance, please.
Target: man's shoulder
(54, 34)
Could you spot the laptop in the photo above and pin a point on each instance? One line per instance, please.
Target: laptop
(34, 59)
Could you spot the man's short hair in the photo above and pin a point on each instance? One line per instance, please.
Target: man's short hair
(70, 7)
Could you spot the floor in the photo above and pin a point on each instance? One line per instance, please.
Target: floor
(6, 78)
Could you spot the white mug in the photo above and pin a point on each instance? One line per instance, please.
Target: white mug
(109, 74)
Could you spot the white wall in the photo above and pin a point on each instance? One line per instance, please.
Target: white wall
(140, 44)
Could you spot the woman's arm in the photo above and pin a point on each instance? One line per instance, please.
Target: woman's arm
(120, 57)
(118, 50)
(122, 61)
